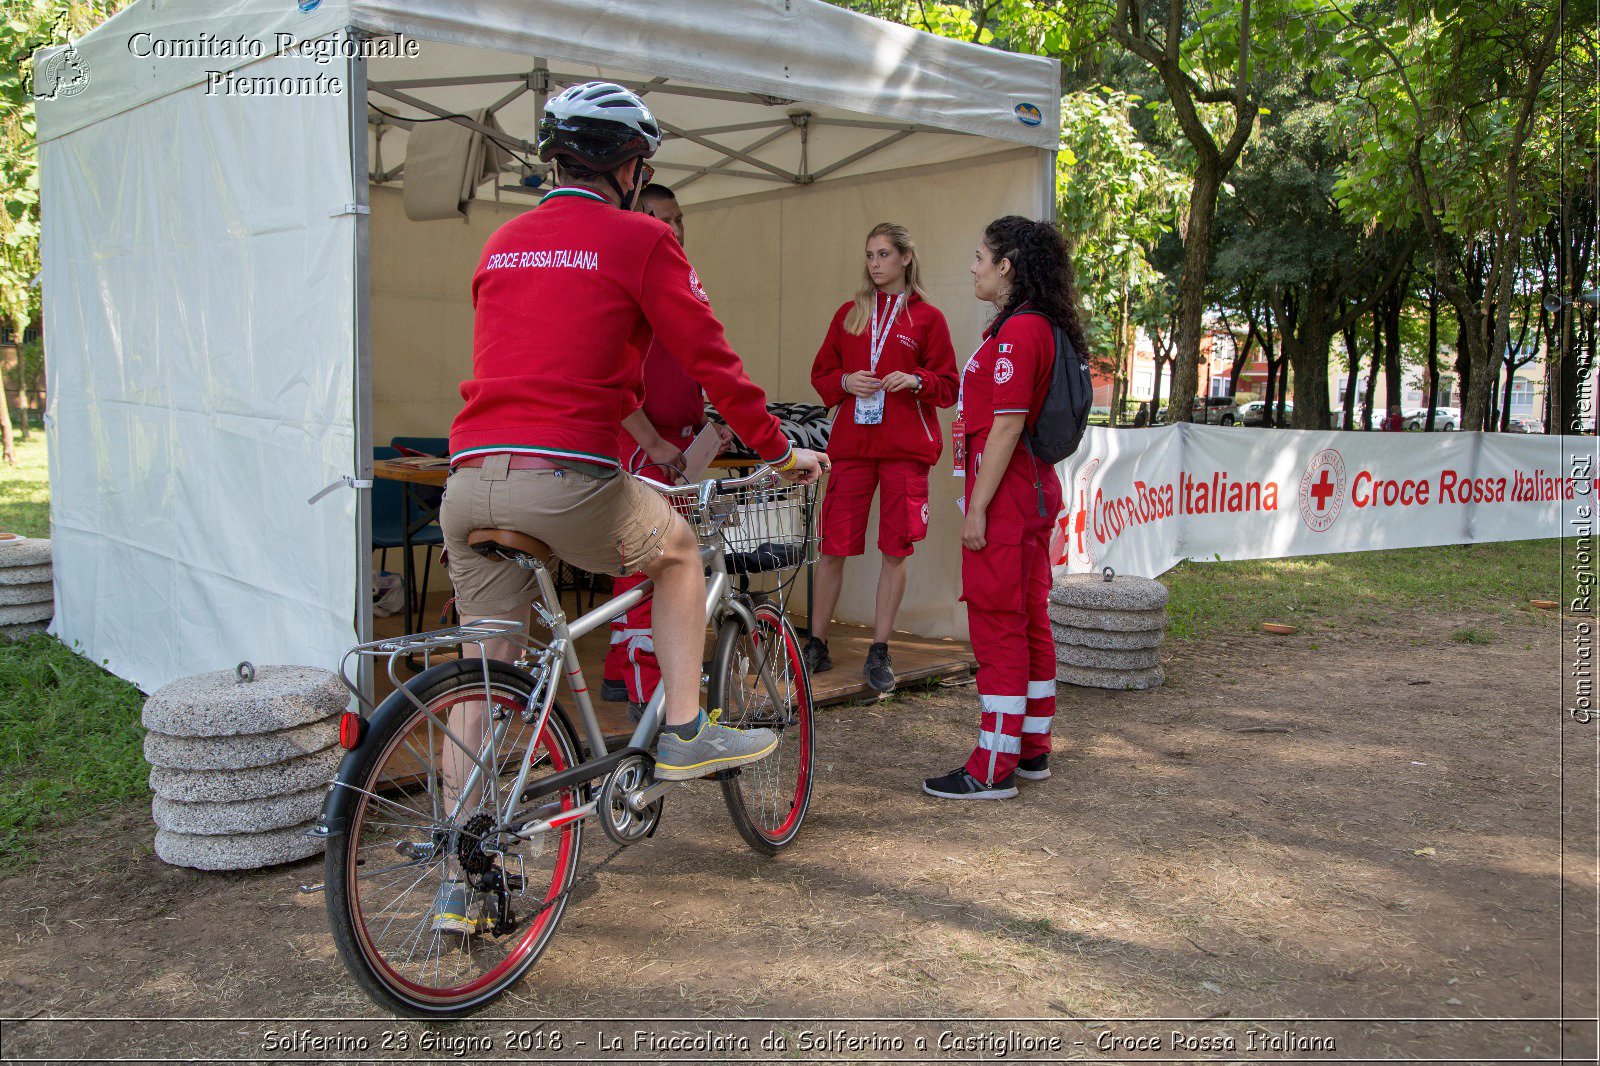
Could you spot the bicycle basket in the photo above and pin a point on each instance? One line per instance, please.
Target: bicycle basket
(765, 529)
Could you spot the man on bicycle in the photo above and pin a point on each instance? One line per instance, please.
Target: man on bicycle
(566, 297)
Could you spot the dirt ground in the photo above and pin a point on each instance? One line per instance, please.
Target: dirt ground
(1325, 834)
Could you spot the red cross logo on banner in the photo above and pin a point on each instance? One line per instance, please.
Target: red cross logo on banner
(1322, 490)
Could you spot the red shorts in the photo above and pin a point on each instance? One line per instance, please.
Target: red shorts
(902, 487)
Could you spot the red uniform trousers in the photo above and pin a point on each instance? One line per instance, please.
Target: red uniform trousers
(1007, 590)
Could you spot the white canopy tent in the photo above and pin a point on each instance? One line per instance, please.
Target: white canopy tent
(238, 309)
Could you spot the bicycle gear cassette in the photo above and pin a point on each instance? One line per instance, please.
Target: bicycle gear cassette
(621, 822)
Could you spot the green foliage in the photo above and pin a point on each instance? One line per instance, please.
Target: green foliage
(1224, 599)
(28, 26)
(25, 491)
(70, 742)
(1116, 199)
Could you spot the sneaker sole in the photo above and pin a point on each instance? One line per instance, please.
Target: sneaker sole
(1032, 775)
(454, 923)
(667, 772)
(987, 794)
(881, 691)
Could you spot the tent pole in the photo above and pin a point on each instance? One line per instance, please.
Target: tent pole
(361, 234)
(1047, 185)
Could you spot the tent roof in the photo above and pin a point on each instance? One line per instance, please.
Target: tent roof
(753, 93)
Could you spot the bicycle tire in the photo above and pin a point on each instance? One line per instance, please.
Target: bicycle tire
(375, 767)
(766, 808)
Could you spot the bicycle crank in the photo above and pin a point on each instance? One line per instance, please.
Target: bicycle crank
(623, 821)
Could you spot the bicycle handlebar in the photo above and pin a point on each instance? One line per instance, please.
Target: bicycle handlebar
(717, 484)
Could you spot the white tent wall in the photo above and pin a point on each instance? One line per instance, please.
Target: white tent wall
(778, 265)
(199, 309)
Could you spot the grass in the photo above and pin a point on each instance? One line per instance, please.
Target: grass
(70, 742)
(25, 490)
(1208, 599)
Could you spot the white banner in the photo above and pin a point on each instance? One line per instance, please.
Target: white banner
(1143, 500)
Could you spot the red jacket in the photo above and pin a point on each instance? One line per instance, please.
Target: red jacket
(672, 403)
(567, 297)
(919, 343)
(1010, 374)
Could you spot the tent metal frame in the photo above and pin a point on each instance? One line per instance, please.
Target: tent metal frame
(541, 81)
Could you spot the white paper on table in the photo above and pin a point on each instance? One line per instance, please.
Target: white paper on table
(700, 452)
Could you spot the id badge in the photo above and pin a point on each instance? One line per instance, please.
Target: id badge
(958, 449)
(869, 410)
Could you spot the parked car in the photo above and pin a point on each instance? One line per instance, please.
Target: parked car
(1254, 413)
(1444, 419)
(1209, 409)
(1524, 424)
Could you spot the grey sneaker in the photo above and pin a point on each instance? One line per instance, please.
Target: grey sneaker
(455, 910)
(716, 747)
(878, 670)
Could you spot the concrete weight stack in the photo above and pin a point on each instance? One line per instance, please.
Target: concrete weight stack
(27, 588)
(240, 764)
(1108, 630)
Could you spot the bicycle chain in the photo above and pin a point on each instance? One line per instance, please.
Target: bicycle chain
(558, 897)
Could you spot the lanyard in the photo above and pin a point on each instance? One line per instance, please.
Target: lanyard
(880, 333)
(961, 385)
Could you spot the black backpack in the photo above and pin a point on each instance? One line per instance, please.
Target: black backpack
(1064, 415)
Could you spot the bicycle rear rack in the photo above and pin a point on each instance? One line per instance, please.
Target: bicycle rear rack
(393, 649)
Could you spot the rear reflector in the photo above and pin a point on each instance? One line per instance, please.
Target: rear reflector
(352, 727)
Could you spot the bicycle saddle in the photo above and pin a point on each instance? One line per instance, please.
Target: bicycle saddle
(509, 545)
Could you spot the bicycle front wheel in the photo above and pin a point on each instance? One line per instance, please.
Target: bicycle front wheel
(414, 901)
(759, 680)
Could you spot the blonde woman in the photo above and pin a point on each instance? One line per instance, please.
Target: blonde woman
(887, 365)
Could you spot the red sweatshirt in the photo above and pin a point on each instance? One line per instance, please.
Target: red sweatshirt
(567, 297)
(919, 343)
(672, 403)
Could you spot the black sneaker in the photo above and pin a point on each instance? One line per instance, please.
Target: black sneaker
(613, 690)
(878, 671)
(1034, 769)
(816, 656)
(960, 785)
(636, 715)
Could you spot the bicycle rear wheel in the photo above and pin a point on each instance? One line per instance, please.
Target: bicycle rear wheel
(759, 680)
(385, 872)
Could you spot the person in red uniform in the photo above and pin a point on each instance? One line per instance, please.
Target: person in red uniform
(566, 297)
(1011, 500)
(888, 366)
(652, 444)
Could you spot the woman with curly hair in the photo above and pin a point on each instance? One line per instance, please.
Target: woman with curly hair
(1011, 501)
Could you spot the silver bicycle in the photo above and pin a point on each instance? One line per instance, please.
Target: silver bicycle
(471, 770)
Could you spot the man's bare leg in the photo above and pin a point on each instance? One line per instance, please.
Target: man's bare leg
(678, 621)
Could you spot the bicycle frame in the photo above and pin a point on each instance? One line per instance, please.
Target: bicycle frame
(560, 650)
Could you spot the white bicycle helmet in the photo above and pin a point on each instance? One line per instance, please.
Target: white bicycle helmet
(597, 125)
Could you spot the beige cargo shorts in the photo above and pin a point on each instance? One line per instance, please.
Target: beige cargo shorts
(603, 525)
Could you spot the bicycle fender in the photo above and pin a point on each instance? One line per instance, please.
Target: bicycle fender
(339, 804)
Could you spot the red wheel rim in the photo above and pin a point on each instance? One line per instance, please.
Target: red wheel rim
(529, 937)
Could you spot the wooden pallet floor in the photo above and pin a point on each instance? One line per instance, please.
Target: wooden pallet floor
(916, 659)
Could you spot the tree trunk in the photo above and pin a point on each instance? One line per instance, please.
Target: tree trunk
(1352, 355)
(1392, 308)
(1283, 388)
(1433, 356)
(1308, 358)
(1192, 288)
(1380, 357)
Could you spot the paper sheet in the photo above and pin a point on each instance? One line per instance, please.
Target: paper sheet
(700, 452)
